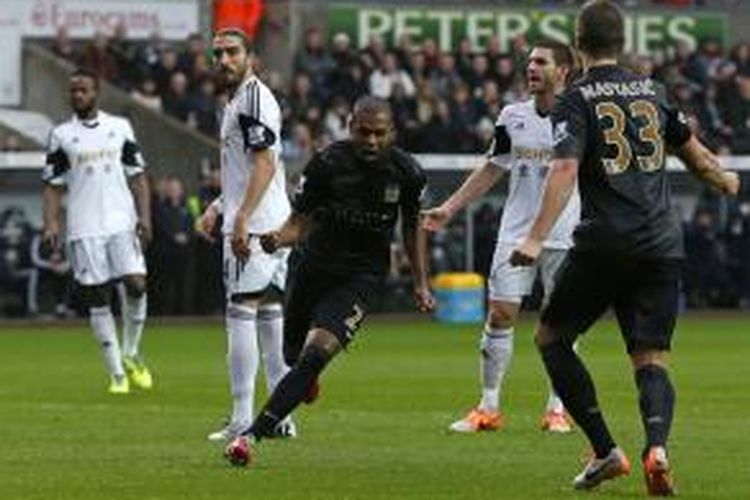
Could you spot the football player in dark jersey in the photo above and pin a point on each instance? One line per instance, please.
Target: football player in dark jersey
(350, 198)
(611, 131)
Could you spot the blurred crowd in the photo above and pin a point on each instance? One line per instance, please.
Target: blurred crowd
(444, 102)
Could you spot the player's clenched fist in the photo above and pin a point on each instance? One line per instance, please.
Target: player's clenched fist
(270, 242)
(435, 219)
(526, 253)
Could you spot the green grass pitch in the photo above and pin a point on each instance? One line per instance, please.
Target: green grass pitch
(378, 431)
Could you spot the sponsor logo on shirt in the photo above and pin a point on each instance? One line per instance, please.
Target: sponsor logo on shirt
(392, 193)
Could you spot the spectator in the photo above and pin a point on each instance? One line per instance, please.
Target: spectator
(336, 126)
(299, 148)
(301, 98)
(196, 47)
(480, 72)
(146, 94)
(149, 55)
(51, 271)
(16, 270)
(202, 105)
(125, 56)
(445, 78)
(505, 73)
(175, 101)
(439, 135)
(97, 56)
(313, 59)
(706, 279)
(200, 71)
(431, 55)
(464, 59)
(164, 70)
(174, 233)
(340, 79)
(464, 117)
(208, 262)
(738, 116)
(63, 46)
(738, 250)
(387, 76)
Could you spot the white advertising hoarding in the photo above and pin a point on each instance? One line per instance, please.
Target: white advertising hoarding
(174, 19)
(10, 62)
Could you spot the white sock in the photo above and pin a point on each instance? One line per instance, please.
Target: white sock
(133, 319)
(271, 339)
(554, 403)
(105, 332)
(497, 351)
(243, 359)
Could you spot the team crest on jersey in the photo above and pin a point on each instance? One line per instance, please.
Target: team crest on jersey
(256, 134)
(519, 125)
(392, 193)
(560, 133)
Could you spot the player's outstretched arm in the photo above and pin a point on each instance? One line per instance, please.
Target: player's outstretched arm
(705, 165)
(415, 244)
(52, 200)
(474, 187)
(139, 187)
(294, 229)
(561, 182)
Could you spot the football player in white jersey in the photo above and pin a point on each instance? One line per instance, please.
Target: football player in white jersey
(254, 201)
(94, 157)
(522, 147)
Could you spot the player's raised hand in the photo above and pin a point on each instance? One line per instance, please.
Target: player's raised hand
(424, 299)
(240, 240)
(731, 184)
(435, 219)
(527, 253)
(270, 242)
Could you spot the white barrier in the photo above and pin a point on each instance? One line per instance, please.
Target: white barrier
(444, 162)
(34, 160)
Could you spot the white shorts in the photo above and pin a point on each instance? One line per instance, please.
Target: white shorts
(258, 272)
(511, 284)
(100, 259)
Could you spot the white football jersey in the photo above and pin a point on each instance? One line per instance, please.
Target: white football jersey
(252, 122)
(523, 145)
(94, 159)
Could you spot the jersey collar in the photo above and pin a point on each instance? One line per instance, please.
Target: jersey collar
(91, 122)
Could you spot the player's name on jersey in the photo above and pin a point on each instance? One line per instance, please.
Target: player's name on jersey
(639, 88)
(536, 154)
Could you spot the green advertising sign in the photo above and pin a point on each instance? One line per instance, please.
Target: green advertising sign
(645, 31)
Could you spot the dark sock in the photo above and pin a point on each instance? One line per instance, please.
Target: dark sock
(657, 403)
(573, 384)
(290, 391)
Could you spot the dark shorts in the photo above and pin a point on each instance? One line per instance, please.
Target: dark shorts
(336, 303)
(643, 292)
